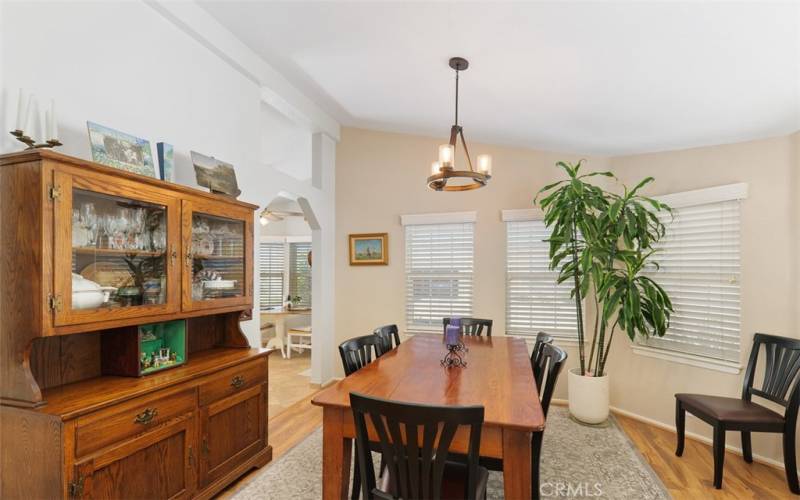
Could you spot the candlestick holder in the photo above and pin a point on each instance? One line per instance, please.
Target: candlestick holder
(31, 143)
(455, 356)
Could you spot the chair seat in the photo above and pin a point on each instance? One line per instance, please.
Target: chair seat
(454, 482)
(730, 410)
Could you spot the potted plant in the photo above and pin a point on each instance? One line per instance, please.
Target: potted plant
(601, 243)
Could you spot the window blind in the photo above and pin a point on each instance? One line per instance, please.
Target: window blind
(699, 261)
(439, 266)
(270, 269)
(534, 300)
(300, 273)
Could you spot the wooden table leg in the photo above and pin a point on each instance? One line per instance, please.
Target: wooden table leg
(336, 452)
(517, 464)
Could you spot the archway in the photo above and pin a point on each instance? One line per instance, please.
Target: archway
(286, 298)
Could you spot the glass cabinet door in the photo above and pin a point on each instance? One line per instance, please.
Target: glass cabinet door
(115, 253)
(217, 258)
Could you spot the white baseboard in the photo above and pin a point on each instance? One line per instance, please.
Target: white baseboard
(697, 437)
(691, 435)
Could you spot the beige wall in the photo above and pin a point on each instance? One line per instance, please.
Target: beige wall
(769, 261)
(380, 176)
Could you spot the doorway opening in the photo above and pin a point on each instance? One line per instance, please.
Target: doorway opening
(285, 300)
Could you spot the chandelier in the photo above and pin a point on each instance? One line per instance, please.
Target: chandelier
(444, 176)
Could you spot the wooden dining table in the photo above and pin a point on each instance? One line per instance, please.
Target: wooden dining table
(498, 376)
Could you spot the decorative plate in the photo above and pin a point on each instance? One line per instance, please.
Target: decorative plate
(203, 246)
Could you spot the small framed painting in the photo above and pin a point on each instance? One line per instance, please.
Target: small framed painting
(370, 249)
(120, 150)
(166, 161)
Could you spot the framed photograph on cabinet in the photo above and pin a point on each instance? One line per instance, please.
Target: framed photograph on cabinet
(166, 161)
(218, 176)
(370, 249)
(120, 150)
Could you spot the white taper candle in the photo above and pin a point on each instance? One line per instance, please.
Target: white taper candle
(29, 126)
(37, 127)
(53, 130)
(20, 112)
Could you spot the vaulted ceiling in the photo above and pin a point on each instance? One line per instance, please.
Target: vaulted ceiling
(594, 78)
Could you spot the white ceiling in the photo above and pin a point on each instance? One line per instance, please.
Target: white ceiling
(594, 78)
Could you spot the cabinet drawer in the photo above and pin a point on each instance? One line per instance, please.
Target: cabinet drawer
(105, 427)
(233, 380)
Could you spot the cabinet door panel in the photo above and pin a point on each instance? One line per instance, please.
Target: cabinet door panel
(218, 256)
(233, 429)
(157, 465)
(121, 237)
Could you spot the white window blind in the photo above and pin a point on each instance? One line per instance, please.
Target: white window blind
(700, 269)
(300, 273)
(439, 265)
(534, 300)
(270, 269)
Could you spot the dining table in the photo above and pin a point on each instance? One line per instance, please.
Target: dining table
(497, 376)
(278, 317)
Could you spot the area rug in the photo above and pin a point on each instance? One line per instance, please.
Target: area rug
(577, 462)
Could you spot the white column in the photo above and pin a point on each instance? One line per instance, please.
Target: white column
(323, 161)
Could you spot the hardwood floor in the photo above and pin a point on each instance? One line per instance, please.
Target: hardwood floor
(289, 381)
(690, 476)
(686, 477)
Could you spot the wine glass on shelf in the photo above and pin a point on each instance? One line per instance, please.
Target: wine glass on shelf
(89, 221)
(103, 237)
(124, 228)
(139, 216)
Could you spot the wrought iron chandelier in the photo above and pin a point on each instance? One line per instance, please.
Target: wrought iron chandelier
(444, 176)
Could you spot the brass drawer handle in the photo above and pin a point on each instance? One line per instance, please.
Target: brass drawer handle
(146, 416)
(237, 381)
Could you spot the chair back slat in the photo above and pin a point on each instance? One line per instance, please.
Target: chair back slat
(781, 369)
(414, 471)
(551, 360)
(358, 352)
(388, 334)
(472, 326)
(536, 355)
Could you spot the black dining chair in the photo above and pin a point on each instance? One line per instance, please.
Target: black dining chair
(359, 351)
(782, 366)
(550, 362)
(416, 463)
(389, 335)
(472, 326)
(541, 339)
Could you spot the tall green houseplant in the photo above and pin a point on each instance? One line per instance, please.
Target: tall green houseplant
(601, 243)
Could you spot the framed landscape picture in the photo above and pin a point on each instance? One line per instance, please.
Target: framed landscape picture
(120, 150)
(370, 249)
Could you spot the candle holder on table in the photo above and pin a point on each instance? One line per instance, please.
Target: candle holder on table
(454, 357)
(455, 348)
(30, 119)
(31, 142)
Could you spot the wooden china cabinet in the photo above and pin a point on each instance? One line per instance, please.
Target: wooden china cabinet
(90, 254)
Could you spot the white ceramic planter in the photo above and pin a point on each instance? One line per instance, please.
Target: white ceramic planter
(588, 397)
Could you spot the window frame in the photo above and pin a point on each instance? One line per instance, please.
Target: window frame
(286, 241)
(719, 194)
(436, 219)
(530, 215)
